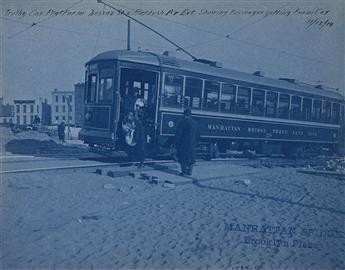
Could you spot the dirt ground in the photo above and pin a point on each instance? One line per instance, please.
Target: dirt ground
(226, 216)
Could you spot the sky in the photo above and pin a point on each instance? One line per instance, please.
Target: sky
(45, 44)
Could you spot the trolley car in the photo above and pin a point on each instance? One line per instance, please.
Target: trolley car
(234, 110)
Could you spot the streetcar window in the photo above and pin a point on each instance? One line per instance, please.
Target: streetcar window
(243, 100)
(193, 93)
(326, 112)
(258, 102)
(284, 103)
(295, 107)
(227, 98)
(91, 88)
(105, 89)
(211, 95)
(317, 107)
(271, 104)
(306, 109)
(105, 85)
(172, 91)
(335, 113)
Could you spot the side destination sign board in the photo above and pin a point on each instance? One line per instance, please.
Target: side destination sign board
(251, 129)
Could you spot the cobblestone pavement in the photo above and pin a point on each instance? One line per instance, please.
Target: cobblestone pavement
(224, 217)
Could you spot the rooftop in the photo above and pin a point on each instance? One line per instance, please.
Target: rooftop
(172, 62)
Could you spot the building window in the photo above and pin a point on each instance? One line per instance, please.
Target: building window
(212, 95)
(70, 118)
(56, 98)
(57, 118)
(63, 108)
(284, 104)
(56, 108)
(258, 102)
(38, 109)
(31, 119)
(227, 98)
(5, 120)
(18, 120)
(193, 93)
(271, 104)
(24, 119)
(31, 108)
(70, 108)
(295, 107)
(63, 118)
(63, 99)
(24, 108)
(18, 108)
(70, 98)
(172, 92)
(306, 109)
(243, 100)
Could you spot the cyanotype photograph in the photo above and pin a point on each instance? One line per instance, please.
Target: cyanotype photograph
(172, 134)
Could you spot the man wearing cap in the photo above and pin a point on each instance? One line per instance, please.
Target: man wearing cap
(185, 142)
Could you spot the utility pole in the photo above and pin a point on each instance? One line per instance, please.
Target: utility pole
(68, 120)
(128, 35)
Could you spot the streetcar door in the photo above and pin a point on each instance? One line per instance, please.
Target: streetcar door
(138, 90)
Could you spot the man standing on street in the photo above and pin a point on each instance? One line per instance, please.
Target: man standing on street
(185, 142)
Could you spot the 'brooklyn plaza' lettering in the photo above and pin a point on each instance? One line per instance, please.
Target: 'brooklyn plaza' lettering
(271, 236)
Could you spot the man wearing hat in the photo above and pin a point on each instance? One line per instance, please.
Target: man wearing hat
(185, 142)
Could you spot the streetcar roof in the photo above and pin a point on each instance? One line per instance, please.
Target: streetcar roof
(180, 64)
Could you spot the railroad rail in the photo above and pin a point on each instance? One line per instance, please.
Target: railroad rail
(252, 162)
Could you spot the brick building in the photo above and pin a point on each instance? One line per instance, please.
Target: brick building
(63, 107)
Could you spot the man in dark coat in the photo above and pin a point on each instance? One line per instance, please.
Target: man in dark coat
(185, 142)
(61, 131)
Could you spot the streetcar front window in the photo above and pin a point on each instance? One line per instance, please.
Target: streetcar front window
(172, 92)
(105, 91)
(91, 88)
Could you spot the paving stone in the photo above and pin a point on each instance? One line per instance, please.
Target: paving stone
(108, 186)
(111, 174)
(99, 171)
